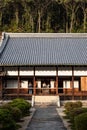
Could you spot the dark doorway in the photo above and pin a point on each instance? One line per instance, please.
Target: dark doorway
(60, 86)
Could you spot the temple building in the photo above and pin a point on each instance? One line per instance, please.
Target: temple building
(43, 64)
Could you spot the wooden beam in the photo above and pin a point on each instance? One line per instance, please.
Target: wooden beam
(56, 80)
(34, 85)
(72, 82)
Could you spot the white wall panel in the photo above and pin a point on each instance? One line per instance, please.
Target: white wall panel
(12, 73)
(65, 71)
(80, 71)
(45, 71)
(27, 73)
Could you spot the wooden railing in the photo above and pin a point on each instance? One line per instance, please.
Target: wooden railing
(27, 92)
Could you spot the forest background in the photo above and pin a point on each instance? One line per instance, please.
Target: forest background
(37, 16)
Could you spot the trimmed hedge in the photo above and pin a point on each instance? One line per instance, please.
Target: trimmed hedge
(14, 111)
(81, 122)
(6, 120)
(72, 105)
(75, 112)
(22, 104)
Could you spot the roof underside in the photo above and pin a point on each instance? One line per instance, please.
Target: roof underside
(45, 51)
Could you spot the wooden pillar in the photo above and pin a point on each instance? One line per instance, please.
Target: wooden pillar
(3, 80)
(34, 85)
(56, 80)
(18, 89)
(1, 88)
(72, 83)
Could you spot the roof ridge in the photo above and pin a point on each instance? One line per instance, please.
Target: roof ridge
(53, 35)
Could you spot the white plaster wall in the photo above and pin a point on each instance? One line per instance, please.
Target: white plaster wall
(27, 73)
(45, 73)
(80, 73)
(65, 71)
(12, 73)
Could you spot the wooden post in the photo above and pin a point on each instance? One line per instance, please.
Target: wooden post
(34, 85)
(72, 83)
(18, 89)
(0, 87)
(56, 80)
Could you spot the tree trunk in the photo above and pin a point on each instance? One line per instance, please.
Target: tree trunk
(17, 17)
(32, 24)
(66, 23)
(39, 21)
(85, 21)
(48, 24)
(0, 19)
(72, 21)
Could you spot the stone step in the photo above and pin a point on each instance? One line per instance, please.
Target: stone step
(47, 100)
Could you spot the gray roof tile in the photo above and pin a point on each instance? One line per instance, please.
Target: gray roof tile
(45, 51)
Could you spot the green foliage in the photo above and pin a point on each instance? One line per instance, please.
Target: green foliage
(72, 105)
(81, 122)
(43, 15)
(6, 121)
(75, 112)
(14, 111)
(22, 104)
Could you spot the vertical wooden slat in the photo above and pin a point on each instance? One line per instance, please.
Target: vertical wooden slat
(56, 80)
(72, 83)
(34, 85)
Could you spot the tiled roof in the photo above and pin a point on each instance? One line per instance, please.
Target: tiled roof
(39, 50)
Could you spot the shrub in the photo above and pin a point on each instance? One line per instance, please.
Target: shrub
(75, 112)
(81, 122)
(72, 105)
(22, 104)
(14, 111)
(6, 121)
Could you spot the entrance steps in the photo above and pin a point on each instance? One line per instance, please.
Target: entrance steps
(46, 100)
